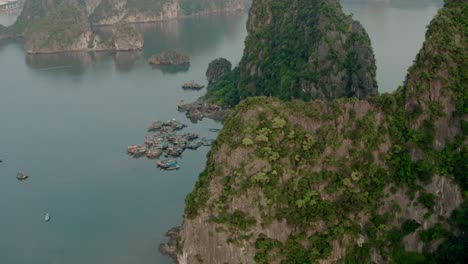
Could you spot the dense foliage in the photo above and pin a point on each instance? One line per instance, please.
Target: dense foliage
(217, 69)
(295, 49)
(295, 169)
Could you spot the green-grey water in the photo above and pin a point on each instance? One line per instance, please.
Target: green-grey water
(67, 119)
(396, 29)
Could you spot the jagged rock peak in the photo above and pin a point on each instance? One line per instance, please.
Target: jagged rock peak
(305, 49)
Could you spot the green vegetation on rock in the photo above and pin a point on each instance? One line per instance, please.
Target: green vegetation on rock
(344, 181)
(301, 49)
(58, 29)
(217, 69)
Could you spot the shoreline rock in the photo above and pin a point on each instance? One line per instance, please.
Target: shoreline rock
(169, 58)
(169, 249)
(202, 108)
(217, 69)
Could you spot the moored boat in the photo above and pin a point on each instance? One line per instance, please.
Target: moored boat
(21, 176)
(47, 217)
(167, 165)
(153, 154)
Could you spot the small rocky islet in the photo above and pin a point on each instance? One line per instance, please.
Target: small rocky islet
(166, 143)
(21, 176)
(202, 108)
(192, 85)
(169, 58)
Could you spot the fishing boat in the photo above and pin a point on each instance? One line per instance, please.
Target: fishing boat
(21, 176)
(47, 217)
(207, 142)
(172, 168)
(168, 165)
(174, 152)
(132, 149)
(190, 136)
(194, 145)
(153, 154)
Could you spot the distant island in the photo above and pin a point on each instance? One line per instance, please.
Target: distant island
(69, 25)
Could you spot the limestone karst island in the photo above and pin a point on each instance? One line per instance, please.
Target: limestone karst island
(234, 131)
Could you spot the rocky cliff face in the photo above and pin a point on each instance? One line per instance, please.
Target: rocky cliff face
(59, 26)
(91, 5)
(63, 26)
(351, 181)
(140, 11)
(310, 48)
(126, 38)
(55, 26)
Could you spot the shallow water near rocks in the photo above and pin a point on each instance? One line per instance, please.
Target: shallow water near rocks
(67, 119)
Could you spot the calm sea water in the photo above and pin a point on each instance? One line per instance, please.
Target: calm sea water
(397, 29)
(66, 120)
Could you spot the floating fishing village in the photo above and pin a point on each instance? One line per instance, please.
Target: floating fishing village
(166, 144)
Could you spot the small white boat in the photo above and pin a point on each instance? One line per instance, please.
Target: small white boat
(47, 217)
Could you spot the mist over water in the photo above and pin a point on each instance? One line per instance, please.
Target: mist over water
(66, 120)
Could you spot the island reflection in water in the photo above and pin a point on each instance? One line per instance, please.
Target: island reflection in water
(195, 36)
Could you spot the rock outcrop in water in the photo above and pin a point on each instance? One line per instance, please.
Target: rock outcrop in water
(217, 69)
(169, 58)
(346, 181)
(141, 11)
(301, 49)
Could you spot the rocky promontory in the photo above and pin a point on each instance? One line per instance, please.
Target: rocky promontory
(169, 58)
(170, 248)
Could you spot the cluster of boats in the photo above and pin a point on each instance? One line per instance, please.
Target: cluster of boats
(165, 142)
